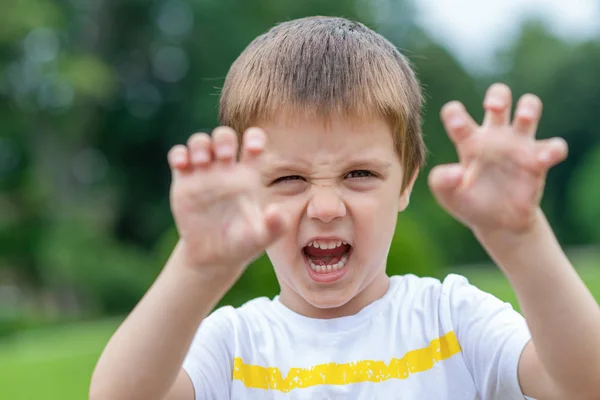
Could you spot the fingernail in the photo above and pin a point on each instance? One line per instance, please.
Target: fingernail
(225, 151)
(200, 157)
(456, 122)
(256, 142)
(527, 112)
(545, 156)
(559, 143)
(494, 102)
(454, 172)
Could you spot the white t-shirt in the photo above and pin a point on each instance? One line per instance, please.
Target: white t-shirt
(422, 340)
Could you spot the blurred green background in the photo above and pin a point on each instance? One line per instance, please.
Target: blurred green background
(94, 93)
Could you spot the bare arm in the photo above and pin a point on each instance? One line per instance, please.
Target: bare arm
(222, 226)
(563, 359)
(144, 357)
(496, 190)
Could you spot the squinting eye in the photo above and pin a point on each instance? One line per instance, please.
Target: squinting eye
(287, 179)
(360, 174)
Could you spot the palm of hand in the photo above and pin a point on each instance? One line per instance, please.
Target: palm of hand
(212, 217)
(499, 180)
(215, 200)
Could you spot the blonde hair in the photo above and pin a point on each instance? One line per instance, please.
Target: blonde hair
(326, 67)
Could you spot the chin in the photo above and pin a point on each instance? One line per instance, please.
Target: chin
(327, 299)
(315, 296)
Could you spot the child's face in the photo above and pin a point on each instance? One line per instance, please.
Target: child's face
(338, 184)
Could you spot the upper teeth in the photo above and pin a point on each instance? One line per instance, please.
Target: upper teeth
(326, 244)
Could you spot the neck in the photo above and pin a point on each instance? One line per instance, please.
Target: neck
(366, 295)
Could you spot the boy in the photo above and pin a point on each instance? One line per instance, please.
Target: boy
(319, 187)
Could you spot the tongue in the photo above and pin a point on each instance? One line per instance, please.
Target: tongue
(325, 256)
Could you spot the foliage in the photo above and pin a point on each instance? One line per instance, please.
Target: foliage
(93, 94)
(107, 276)
(585, 193)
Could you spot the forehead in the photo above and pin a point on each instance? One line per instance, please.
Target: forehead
(306, 140)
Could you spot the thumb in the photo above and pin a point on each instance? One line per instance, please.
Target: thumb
(551, 152)
(445, 179)
(276, 222)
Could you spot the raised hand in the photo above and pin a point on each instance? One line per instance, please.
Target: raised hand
(215, 200)
(500, 177)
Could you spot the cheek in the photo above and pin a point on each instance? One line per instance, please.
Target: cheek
(374, 207)
(375, 221)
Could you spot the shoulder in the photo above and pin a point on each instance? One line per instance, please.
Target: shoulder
(415, 300)
(464, 296)
(434, 298)
(457, 293)
(413, 286)
(250, 313)
(227, 324)
(427, 288)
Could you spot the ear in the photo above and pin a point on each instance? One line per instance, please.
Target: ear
(405, 195)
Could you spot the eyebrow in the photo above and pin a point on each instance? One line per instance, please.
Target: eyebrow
(367, 163)
(284, 166)
(276, 168)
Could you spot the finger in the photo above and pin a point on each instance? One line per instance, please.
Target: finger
(254, 144)
(199, 148)
(458, 123)
(178, 157)
(225, 144)
(551, 152)
(276, 223)
(527, 115)
(265, 226)
(248, 234)
(498, 100)
(445, 179)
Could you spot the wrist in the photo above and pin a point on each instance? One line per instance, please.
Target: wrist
(492, 236)
(515, 251)
(183, 258)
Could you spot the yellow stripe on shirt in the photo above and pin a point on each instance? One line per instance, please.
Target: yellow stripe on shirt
(419, 360)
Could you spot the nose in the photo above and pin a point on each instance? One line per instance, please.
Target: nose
(325, 205)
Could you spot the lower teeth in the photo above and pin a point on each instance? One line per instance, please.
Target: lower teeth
(328, 268)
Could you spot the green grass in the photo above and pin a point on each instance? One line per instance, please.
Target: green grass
(52, 363)
(57, 363)
(490, 279)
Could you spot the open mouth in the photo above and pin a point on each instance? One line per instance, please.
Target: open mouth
(326, 259)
